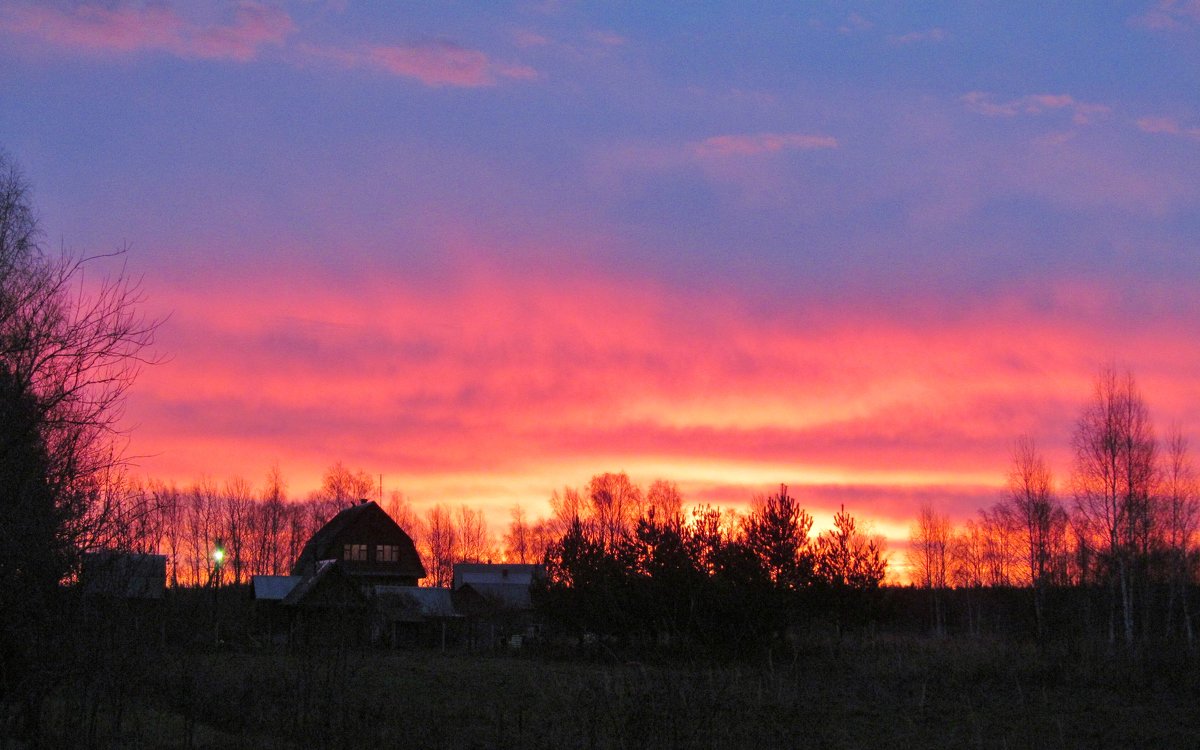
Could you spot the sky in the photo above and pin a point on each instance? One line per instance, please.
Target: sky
(487, 250)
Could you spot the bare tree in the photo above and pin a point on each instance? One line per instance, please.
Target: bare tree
(402, 512)
(664, 500)
(968, 555)
(615, 503)
(1181, 521)
(441, 545)
(1114, 478)
(341, 487)
(202, 530)
(1041, 520)
(929, 558)
(70, 348)
(235, 507)
(270, 542)
(474, 540)
(1001, 551)
(567, 507)
(517, 540)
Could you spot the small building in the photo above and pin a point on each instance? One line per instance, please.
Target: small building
(412, 616)
(498, 602)
(123, 596)
(328, 607)
(509, 586)
(123, 575)
(368, 546)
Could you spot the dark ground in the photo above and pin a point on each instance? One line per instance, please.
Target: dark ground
(902, 691)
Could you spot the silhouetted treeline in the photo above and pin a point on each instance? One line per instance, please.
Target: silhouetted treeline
(1121, 532)
(633, 568)
(261, 531)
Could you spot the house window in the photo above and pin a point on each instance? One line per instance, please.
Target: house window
(354, 552)
(387, 553)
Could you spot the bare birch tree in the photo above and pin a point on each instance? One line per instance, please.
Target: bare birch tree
(1180, 520)
(929, 558)
(1113, 482)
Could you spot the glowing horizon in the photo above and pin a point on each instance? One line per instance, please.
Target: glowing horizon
(488, 253)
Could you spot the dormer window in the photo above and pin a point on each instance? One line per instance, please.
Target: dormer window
(354, 552)
(387, 553)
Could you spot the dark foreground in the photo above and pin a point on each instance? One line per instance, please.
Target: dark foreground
(878, 692)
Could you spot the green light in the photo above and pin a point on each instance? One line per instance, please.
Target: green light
(218, 555)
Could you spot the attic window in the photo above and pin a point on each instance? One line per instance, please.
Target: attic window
(354, 552)
(387, 553)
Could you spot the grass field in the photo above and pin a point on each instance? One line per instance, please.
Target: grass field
(884, 692)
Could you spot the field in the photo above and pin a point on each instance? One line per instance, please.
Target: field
(875, 692)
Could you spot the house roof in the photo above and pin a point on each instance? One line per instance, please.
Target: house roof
(510, 596)
(323, 544)
(499, 574)
(273, 588)
(125, 575)
(414, 603)
(328, 587)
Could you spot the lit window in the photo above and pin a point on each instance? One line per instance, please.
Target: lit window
(387, 553)
(354, 552)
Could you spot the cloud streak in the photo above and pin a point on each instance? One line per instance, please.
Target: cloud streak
(434, 64)
(527, 385)
(1082, 113)
(1167, 126)
(755, 144)
(124, 29)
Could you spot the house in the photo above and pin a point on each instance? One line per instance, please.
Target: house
(497, 600)
(123, 596)
(368, 546)
(325, 608)
(507, 586)
(410, 616)
(123, 575)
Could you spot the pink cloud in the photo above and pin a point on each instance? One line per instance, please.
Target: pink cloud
(438, 64)
(435, 64)
(608, 38)
(493, 388)
(1167, 126)
(528, 38)
(1081, 112)
(128, 29)
(915, 37)
(253, 26)
(1170, 15)
(760, 143)
(855, 22)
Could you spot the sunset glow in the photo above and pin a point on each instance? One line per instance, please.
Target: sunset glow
(489, 252)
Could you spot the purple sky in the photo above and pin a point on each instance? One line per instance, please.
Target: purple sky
(486, 250)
